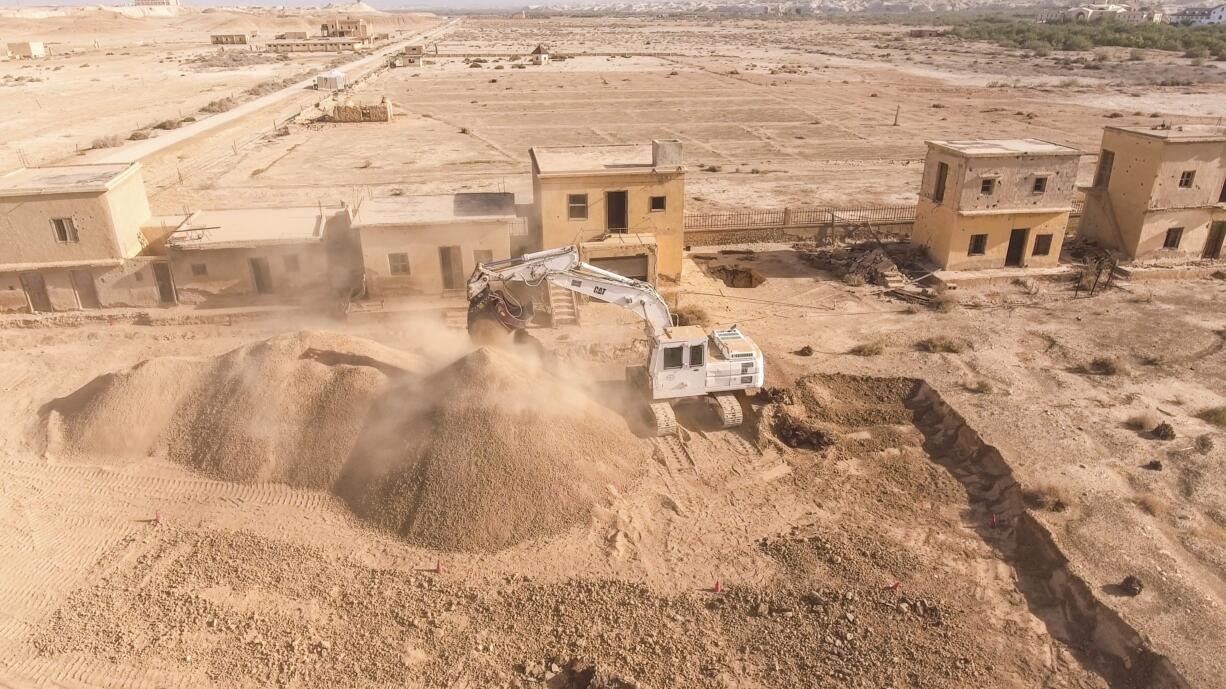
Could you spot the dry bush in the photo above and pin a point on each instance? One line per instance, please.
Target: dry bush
(1047, 496)
(168, 124)
(981, 386)
(139, 135)
(867, 349)
(692, 315)
(940, 343)
(1214, 415)
(945, 302)
(1152, 504)
(853, 279)
(1103, 366)
(1143, 422)
(220, 105)
(108, 141)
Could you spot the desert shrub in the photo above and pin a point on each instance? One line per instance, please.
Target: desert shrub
(1047, 496)
(168, 124)
(464, 130)
(1151, 504)
(1136, 55)
(108, 141)
(853, 279)
(1214, 415)
(1140, 423)
(867, 349)
(981, 386)
(219, 105)
(1103, 366)
(1200, 52)
(945, 302)
(692, 315)
(941, 343)
(139, 135)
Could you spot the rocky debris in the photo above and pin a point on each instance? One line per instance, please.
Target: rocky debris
(806, 350)
(771, 395)
(1131, 585)
(1164, 431)
(1153, 465)
(877, 268)
(798, 434)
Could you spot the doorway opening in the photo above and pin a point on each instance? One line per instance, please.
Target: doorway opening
(1017, 247)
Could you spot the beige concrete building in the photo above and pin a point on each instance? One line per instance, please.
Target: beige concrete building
(27, 50)
(315, 45)
(227, 257)
(995, 203)
(540, 55)
(346, 27)
(428, 245)
(1159, 193)
(586, 195)
(73, 238)
(229, 39)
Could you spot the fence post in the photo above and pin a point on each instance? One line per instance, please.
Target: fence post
(787, 216)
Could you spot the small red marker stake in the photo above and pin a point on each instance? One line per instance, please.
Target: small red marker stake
(157, 517)
(438, 567)
(717, 588)
(993, 520)
(895, 586)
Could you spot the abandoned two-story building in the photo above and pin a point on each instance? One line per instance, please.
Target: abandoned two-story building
(623, 205)
(1159, 193)
(72, 239)
(995, 203)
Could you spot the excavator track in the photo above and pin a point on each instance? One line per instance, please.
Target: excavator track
(729, 409)
(662, 416)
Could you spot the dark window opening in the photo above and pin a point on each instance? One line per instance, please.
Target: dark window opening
(200, 270)
(1186, 178)
(1221, 197)
(398, 264)
(1042, 245)
(979, 245)
(673, 356)
(987, 186)
(1102, 176)
(698, 354)
(1040, 185)
(938, 190)
(658, 203)
(576, 206)
(65, 230)
(1173, 237)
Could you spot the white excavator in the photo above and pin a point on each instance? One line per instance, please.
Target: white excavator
(684, 362)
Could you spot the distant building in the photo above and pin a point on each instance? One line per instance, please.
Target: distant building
(292, 36)
(333, 80)
(1159, 192)
(1103, 12)
(1199, 16)
(27, 50)
(345, 28)
(315, 45)
(156, 3)
(417, 50)
(229, 39)
(995, 203)
(430, 244)
(225, 257)
(540, 55)
(623, 204)
(73, 239)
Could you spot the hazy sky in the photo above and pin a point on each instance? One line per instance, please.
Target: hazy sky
(379, 4)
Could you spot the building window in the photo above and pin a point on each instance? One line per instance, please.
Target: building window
(1042, 245)
(1186, 178)
(938, 190)
(398, 264)
(200, 270)
(576, 206)
(291, 263)
(979, 245)
(65, 230)
(1173, 237)
(987, 186)
(658, 203)
(1102, 176)
(698, 354)
(1040, 185)
(673, 356)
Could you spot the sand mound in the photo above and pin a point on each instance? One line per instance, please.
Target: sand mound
(286, 409)
(500, 452)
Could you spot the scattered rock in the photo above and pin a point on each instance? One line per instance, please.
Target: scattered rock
(1164, 431)
(1153, 465)
(804, 351)
(1131, 585)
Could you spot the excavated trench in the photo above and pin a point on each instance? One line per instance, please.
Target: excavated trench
(736, 276)
(1097, 635)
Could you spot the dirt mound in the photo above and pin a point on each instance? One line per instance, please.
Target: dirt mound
(856, 400)
(499, 452)
(286, 409)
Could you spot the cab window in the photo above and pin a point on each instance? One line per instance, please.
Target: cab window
(672, 357)
(698, 354)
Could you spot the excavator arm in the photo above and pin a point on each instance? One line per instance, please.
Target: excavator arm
(488, 293)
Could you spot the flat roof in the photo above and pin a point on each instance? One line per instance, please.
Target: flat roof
(1178, 132)
(317, 39)
(602, 158)
(249, 227)
(1004, 147)
(435, 209)
(64, 179)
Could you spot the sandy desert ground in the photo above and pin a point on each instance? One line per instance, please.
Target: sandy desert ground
(299, 501)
